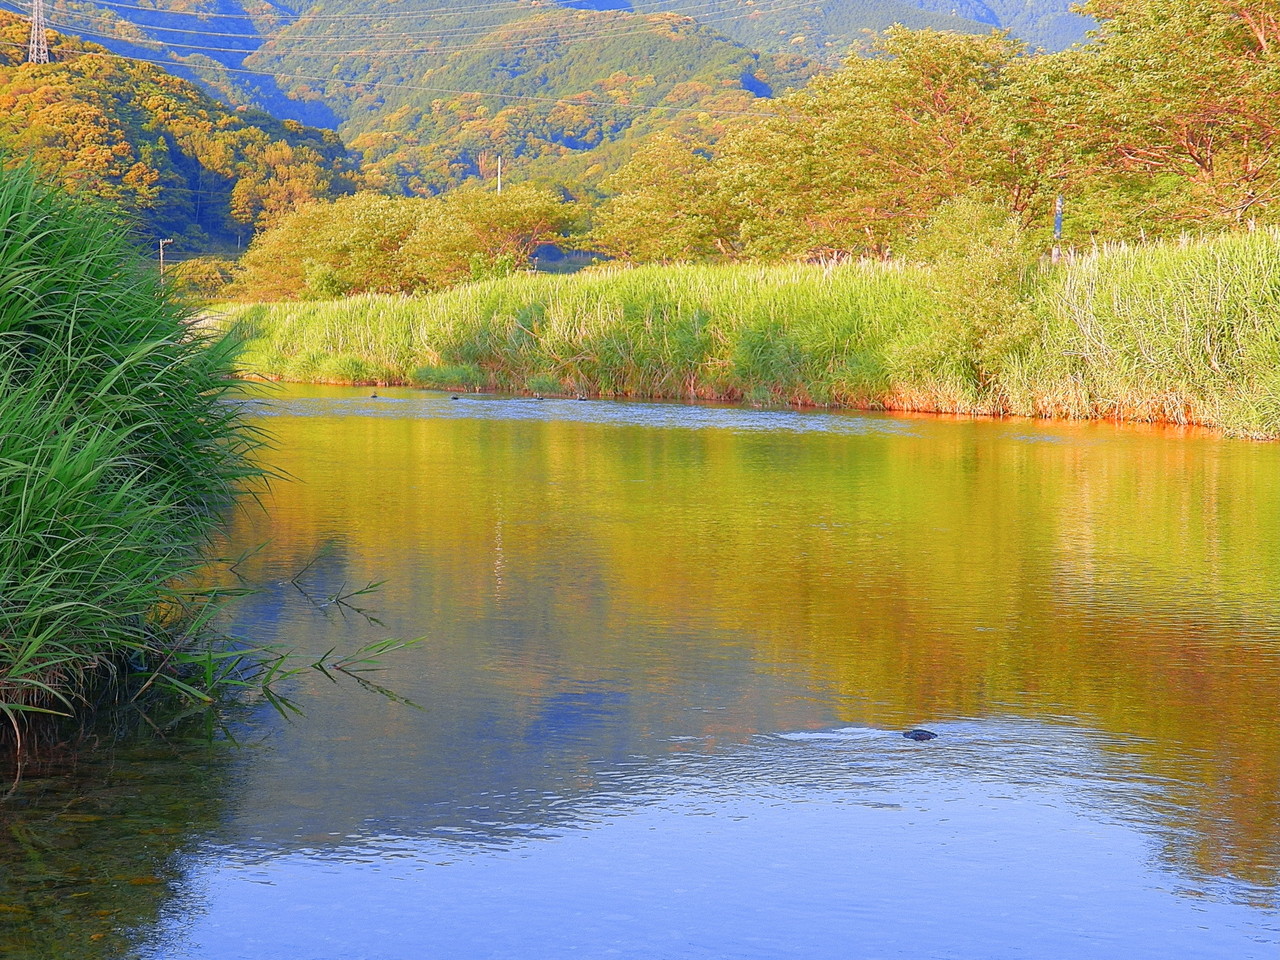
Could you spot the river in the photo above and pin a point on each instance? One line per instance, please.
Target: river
(668, 653)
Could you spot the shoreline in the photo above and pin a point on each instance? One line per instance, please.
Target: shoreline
(1184, 334)
(906, 411)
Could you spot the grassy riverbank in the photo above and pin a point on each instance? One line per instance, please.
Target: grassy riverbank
(116, 458)
(1186, 332)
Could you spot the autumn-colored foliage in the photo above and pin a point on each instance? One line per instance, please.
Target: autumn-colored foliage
(154, 146)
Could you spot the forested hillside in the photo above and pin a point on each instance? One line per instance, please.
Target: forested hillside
(176, 161)
(430, 92)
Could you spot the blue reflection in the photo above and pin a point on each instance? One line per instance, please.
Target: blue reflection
(1000, 840)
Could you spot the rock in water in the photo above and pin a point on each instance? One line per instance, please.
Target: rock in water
(919, 734)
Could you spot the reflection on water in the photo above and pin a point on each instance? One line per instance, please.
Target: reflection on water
(845, 843)
(669, 653)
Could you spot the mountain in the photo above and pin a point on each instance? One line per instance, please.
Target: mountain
(828, 31)
(178, 163)
(1044, 24)
(306, 45)
(552, 86)
(432, 92)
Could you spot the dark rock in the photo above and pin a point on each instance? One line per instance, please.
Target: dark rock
(919, 734)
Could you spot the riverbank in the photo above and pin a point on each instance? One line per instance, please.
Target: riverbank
(1177, 332)
(117, 459)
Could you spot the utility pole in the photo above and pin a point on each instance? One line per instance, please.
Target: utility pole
(499, 173)
(1059, 209)
(162, 244)
(38, 47)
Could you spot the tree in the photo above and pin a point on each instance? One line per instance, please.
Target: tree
(1183, 93)
(664, 205)
(369, 243)
(860, 155)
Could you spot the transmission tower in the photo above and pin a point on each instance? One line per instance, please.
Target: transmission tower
(38, 48)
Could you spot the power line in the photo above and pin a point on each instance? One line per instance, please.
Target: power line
(449, 11)
(293, 36)
(271, 44)
(179, 60)
(563, 101)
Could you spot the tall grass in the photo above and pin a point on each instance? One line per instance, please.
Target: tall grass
(1185, 332)
(117, 455)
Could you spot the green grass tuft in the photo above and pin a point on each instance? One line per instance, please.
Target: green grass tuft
(117, 458)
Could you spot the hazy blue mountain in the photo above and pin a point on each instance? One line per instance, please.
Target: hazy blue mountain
(1047, 24)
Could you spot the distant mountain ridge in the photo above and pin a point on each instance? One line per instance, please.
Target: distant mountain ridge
(431, 93)
(222, 42)
(1048, 24)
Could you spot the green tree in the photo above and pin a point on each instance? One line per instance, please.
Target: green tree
(665, 205)
(373, 243)
(859, 156)
(1183, 92)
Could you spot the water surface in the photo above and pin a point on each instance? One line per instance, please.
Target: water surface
(668, 655)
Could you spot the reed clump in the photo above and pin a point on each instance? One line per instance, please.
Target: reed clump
(1185, 332)
(117, 457)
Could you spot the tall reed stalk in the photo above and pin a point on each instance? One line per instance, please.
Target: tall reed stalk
(117, 456)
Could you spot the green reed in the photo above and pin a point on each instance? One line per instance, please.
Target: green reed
(118, 456)
(1185, 332)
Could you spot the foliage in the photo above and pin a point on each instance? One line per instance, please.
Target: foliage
(373, 243)
(118, 456)
(549, 93)
(664, 207)
(178, 162)
(1166, 123)
(1182, 93)
(203, 278)
(865, 154)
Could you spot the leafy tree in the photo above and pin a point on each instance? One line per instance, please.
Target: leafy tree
(1183, 93)
(665, 205)
(858, 156)
(374, 243)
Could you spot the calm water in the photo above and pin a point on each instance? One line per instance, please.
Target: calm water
(669, 652)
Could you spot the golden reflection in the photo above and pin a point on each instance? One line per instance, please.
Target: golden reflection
(1121, 579)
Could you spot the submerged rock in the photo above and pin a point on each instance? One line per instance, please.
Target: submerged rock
(919, 734)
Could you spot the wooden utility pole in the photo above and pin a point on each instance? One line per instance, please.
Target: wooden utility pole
(38, 46)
